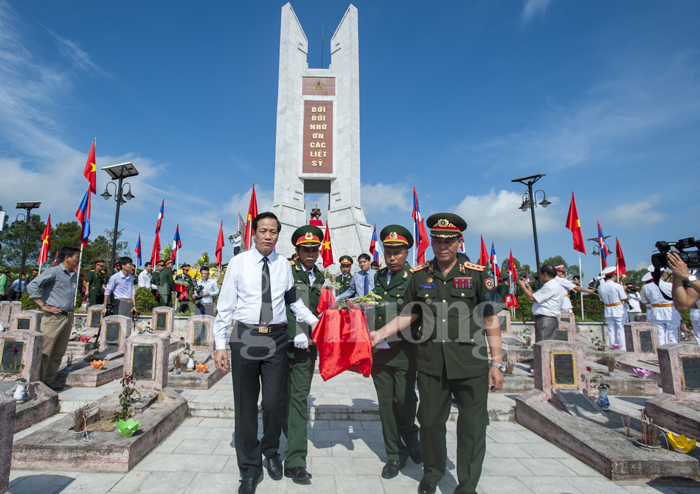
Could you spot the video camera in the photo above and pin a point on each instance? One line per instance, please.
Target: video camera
(690, 258)
(198, 290)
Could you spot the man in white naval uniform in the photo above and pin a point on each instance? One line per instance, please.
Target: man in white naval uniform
(568, 286)
(613, 296)
(660, 310)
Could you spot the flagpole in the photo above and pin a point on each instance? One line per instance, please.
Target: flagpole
(580, 277)
(40, 265)
(80, 261)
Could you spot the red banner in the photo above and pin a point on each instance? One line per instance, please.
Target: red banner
(343, 341)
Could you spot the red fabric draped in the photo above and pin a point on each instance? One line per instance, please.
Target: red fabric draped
(182, 290)
(343, 341)
(325, 300)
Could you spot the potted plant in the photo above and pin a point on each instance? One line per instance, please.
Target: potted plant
(527, 337)
(603, 387)
(176, 365)
(189, 353)
(125, 397)
(611, 366)
(21, 391)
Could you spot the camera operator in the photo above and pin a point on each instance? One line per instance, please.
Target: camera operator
(237, 241)
(634, 307)
(686, 287)
(548, 301)
(205, 305)
(660, 310)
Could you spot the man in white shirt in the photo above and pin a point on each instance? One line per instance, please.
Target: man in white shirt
(634, 305)
(257, 287)
(567, 287)
(205, 305)
(548, 302)
(237, 242)
(660, 310)
(614, 297)
(145, 277)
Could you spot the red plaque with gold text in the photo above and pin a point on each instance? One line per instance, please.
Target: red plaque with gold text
(318, 137)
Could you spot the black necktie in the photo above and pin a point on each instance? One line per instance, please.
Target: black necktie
(266, 307)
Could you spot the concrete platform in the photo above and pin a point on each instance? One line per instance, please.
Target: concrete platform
(83, 375)
(196, 379)
(41, 403)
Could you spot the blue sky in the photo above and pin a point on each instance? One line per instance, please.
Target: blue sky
(457, 98)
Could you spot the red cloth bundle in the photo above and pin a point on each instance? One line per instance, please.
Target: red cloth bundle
(325, 300)
(182, 290)
(343, 341)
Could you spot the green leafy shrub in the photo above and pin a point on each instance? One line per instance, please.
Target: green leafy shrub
(27, 303)
(145, 301)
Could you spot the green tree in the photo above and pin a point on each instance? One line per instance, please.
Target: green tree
(570, 270)
(167, 252)
(634, 276)
(520, 268)
(100, 249)
(64, 234)
(12, 240)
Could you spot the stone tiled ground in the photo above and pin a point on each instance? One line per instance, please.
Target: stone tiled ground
(345, 456)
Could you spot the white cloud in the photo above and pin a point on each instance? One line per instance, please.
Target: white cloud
(635, 214)
(642, 265)
(380, 198)
(498, 215)
(239, 203)
(533, 8)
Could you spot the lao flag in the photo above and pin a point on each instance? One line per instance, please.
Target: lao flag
(494, 262)
(603, 248)
(422, 242)
(83, 215)
(161, 213)
(138, 252)
(55, 258)
(176, 242)
(373, 245)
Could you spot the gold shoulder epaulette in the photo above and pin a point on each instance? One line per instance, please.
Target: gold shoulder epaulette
(475, 267)
(291, 261)
(420, 267)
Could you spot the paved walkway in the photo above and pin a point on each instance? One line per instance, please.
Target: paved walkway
(345, 456)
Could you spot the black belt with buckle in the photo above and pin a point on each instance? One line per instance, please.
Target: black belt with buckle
(262, 328)
(65, 313)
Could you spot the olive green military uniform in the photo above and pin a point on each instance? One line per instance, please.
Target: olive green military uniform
(96, 289)
(394, 369)
(155, 280)
(301, 361)
(344, 280)
(166, 287)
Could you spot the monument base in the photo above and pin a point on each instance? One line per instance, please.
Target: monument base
(54, 448)
(41, 403)
(603, 446)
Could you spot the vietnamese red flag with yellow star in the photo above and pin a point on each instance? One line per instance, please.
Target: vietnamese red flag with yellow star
(574, 224)
(326, 249)
(45, 243)
(621, 264)
(483, 253)
(252, 213)
(220, 245)
(90, 172)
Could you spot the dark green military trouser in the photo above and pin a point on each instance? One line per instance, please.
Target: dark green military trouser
(434, 410)
(301, 372)
(396, 394)
(165, 301)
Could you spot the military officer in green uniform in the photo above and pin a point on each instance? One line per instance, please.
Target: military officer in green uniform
(302, 356)
(96, 284)
(187, 279)
(345, 277)
(452, 359)
(155, 280)
(394, 362)
(167, 285)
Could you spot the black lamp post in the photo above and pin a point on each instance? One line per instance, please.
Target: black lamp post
(27, 206)
(530, 201)
(117, 172)
(597, 250)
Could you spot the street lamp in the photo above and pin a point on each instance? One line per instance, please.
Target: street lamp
(530, 202)
(27, 206)
(118, 172)
(596, 249)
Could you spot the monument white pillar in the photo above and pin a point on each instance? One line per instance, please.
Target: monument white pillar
(318, 136)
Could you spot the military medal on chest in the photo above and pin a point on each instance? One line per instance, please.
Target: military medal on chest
(463, 282)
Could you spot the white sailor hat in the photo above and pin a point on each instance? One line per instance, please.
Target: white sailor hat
(609, 270)
(647, 278)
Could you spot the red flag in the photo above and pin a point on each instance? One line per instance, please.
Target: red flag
(511, 269)
(484, 254)
(220, 244)
(574, 224)
(621, 266)
(155, 253)
(90, 173)
(45, 243)
(326, 249)
(252, 213)
(423, 244)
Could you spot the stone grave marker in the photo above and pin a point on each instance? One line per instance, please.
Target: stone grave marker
(680, 370)
(641, 339)
(558, 365)
(162, 320)
(146, 359)
(200, 336)
(578, 404)
(15, 307)
(26, 320)
(94, 317)
(504, 321)
(7, 425)
(567, 327)
(5, 314)
(21, 347)
(114, 333)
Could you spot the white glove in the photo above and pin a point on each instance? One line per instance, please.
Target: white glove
(301, 341)
(382, 345)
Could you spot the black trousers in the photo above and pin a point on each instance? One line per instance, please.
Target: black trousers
(258, 359)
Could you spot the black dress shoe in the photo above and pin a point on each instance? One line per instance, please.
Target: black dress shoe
(56, 386)
(426, 487)
(249, 485)
(391, 469)
(414, 453)
(274, 468)
(299, 475)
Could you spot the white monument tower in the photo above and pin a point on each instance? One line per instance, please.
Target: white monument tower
(318, 136)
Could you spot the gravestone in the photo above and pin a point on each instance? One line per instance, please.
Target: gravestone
(26, 320)
(14, 308)
(146, 359)
(162, 320)
(504, 321)
(558, 365)
(200, 337)
(578, 404)
(567, 327)
(94, 317)
(5, 314)
(21, 347)
(7, 425)
(641, 339)
(114, 333)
